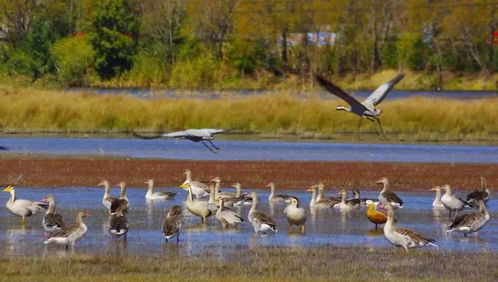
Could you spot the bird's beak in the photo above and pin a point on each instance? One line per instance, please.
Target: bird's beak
(100, 184)
(379, 182)
(184, 185)
(310, 189)
(8, 189)
(432, 189)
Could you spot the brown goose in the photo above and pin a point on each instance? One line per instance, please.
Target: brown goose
(478, 194)
(122, 201)
(452, 202)
(172, 223)
(52, 221)
(226, 216)
(69, 235)
(118, 224)
(347, 205)
(107, 199)
(261, 222)
(471, 222)
(387, 196)
(323, 203)
(403, 237)
(320, 195)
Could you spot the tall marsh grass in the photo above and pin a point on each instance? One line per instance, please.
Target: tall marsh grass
(276, 114)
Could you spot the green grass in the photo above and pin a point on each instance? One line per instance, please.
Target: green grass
(412, 119)
(266, 263)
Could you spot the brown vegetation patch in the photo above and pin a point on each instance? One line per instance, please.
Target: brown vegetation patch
(288, 175)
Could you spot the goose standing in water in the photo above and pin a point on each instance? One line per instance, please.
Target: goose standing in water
(471, 222)
(197, 208)
(452, 202)
(107, 199)
(151, 195)
(295, 214)
(122, 201)
(479, 194)
(69, 235)
(226, 216)
(23, 208)
(387, 196)
(277, 198)
(403, 237)
(118, 224)
(347, 205)
(362, 201)
(52, 221)
(375, 217)
(437, 204)
(199, 189)
(261, 222)
(239, 198)
(323, 203)
(320, 195)
(172, 223)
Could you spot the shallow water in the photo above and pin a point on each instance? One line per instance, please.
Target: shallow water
(253, 150)
(323, 227)
(210, 94)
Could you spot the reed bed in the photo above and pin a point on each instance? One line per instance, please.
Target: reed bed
(266, 263)
(419, 118)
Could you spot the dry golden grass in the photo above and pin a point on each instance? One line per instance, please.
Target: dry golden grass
(420, 118)
(267, 263)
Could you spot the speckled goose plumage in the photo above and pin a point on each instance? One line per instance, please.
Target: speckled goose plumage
(226, 216)
(261, 222)
(387, 196)
(471, 222)
(172, 223)
(52, 221)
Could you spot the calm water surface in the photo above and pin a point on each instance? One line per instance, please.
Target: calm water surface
(323, 227)
(253, 150)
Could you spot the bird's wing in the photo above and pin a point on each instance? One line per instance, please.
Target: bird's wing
(380, 93)
(171, 225)
(464, 220)
(65, 232)
(54, 219)
(231, 216)
(413, 236)
(263, 218)
(118, 223)
(392, 197)
(213, 131)
(138, 135)
(477, 195)
(332, 88)
(177, 134)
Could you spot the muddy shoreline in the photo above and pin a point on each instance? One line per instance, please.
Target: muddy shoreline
(60, 172)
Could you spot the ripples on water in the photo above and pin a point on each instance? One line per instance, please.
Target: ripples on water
(322, 227)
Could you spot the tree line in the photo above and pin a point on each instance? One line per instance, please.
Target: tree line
(201, 43)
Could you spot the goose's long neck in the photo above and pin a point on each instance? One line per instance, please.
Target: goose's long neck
(438, 195)
(320, 194)
(390, 219)
(51, 206)
(344, 196)
(385, 187)
(106, 190)
(272, 190)
(238, 192)
(448, 190)
(188, 176)
(190, 198)
(79, 219)
(12, 196)
(217, 189)
(482, 208)
(254, 203)
(313, 198)
(151, 188)
(123, 192)
(212, 195)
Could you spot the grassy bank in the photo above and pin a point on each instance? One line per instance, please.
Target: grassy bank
(416, 119)
(268, 263)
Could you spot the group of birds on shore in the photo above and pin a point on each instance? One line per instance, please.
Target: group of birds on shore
(219, 204)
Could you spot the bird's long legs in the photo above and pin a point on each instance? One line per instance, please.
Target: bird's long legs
(210, 142)
(210, 149)
(373, 119)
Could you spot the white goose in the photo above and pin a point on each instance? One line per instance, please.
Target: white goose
(172, 223)
(471, 222)
(151, 195)
(345, 204)
(261, 222)
(107, 199)
(387, 196)
(226, 216)
(403, 237)
(277, 198)
(437, 204)
(296, 215)
(199, 189)
(23, 208)
(69, 235)
(452, 202)
(321, 190)
(52, 221)
(197, 208)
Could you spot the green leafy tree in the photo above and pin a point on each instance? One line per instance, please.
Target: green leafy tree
(115, 26)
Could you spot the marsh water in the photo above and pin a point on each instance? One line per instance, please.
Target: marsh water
(253, 150)
(323, 226)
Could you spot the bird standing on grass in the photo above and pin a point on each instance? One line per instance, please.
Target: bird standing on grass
(365, 109)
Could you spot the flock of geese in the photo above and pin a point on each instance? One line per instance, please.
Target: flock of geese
(219, 204)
